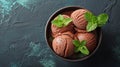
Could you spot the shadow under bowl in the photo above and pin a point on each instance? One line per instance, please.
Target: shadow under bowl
(68, 10)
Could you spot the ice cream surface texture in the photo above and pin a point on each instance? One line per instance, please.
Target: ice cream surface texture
(63, 46)
(78, 18)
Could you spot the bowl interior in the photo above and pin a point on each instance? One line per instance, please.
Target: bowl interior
(49, 37)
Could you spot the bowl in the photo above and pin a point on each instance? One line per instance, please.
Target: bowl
(48, 36)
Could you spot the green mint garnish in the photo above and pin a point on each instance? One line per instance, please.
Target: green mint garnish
(95, 21)
(80, 47)
(60, 21)
(102, 19)
(84, 50)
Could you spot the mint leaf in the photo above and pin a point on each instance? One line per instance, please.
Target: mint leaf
(95, 21)
(83, 42)
(60, 17)
(60, 21)
(91, 26)
(57, 23)
(102, 19)
(67, 21)
(76, 50)
(84, 50)
(88, 16)
(81, 47)
(76, 43)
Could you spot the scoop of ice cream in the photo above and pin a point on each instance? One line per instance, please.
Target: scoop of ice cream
(62, 45)
(79, 19)
(90, 37)
(55, 30)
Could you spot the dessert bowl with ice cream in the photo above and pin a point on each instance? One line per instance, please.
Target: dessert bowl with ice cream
(74, 33)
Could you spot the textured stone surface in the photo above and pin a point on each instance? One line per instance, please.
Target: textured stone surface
(22, 42)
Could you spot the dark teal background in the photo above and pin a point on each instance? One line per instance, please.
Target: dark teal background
(22, 26)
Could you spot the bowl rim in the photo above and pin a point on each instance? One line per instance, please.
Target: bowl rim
(71, 60)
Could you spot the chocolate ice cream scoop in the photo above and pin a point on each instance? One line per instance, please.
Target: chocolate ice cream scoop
(79, 19)
(62, 45)
(55, 30)
(90, 37)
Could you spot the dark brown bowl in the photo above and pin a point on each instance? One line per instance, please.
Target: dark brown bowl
(48, 31)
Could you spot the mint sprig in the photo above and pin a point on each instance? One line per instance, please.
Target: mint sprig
(102, 19)
(95, 21)
(80, 47)
(60, 21)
